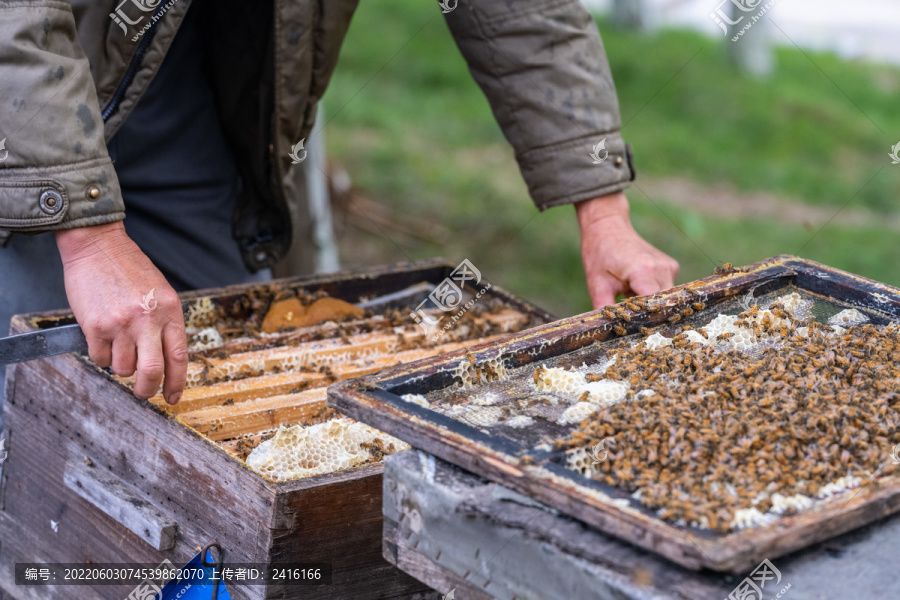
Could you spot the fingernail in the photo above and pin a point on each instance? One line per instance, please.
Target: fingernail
(174, 398)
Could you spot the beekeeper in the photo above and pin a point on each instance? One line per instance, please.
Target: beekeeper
(165, 112)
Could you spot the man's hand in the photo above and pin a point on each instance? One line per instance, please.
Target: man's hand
(107, 277)
(616, 259)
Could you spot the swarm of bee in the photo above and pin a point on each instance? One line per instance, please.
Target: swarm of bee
(707, 432)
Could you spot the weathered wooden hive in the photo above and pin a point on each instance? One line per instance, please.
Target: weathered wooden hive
(733, 419)
(95, 475)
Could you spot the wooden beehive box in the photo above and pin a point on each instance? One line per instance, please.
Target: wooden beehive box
(95, 475)
(468, 401)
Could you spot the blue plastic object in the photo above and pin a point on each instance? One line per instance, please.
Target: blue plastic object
(200, 587)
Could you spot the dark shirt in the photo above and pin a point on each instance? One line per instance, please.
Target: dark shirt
(177, 173)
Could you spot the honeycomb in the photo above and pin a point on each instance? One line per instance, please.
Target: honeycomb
(560, 381)
(201, 313)
(470, 373)
(657, 340)
(416, 399)
(207, 337)
(581, 460)
(848, 318)
(578, 412)
(519, 422)
(337, 444)
(604, 392)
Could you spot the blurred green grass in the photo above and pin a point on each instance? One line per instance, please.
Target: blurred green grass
(409, 124)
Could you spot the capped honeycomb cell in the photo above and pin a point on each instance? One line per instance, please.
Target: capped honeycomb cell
(416, 399)
(206, 338)
(560, 381)
(605, 391)
(657, 340)
(837, 486)
(519, 422)
(782, 504)
(848, 318)
(578, 413)
(745, 518)
(337, 444)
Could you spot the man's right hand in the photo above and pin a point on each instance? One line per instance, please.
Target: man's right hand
(107, 278)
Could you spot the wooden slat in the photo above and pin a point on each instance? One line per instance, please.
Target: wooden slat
(318, 352)
(276, 384)
(225, 422)
(325, 351)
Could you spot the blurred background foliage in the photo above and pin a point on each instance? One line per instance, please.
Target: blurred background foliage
(730, 168)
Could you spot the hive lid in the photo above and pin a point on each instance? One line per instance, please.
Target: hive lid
(468, 426)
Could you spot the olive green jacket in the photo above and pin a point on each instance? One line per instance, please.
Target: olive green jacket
(72, 70)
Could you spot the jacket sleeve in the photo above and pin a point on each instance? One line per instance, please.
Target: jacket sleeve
(55, 171)
(542, 66)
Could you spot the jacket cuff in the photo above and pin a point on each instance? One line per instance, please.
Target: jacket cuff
(73, 195)
(577, 170)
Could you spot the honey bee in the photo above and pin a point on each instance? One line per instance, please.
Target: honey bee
(725, 269)
(619, 329)
(653, 309)
(725, 336)
(698, 305)
(538, 373)
(625, 317)
(632, 306)
(645, 332)
(686, 312)
(608, 313)
(674, 318)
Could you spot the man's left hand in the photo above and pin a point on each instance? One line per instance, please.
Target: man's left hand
(616, 259)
